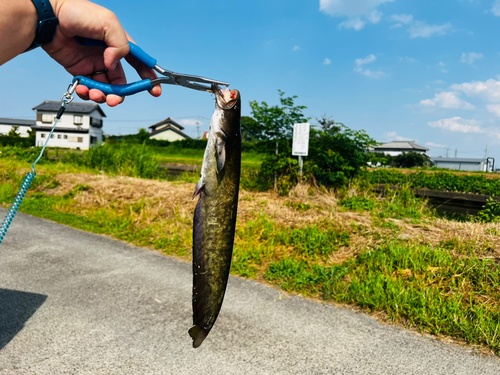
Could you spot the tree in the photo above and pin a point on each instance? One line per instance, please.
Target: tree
(276, 122)
(328, 124)
(13, 132)
(411, 159)
(251, 130)
(143, 135)
(336, 156)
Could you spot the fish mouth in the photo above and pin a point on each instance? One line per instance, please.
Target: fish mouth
(226, 99)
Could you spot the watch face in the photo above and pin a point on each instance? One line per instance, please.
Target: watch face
(46, 30)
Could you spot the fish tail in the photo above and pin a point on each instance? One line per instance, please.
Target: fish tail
(198, 334)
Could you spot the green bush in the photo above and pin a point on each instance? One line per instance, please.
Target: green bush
(357, 203)
(444, 181)
(125, 159)
(338, 154)
(490, 213)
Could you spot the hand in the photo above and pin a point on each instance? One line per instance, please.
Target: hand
(89, 20)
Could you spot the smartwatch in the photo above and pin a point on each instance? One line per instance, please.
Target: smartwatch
(47, 24)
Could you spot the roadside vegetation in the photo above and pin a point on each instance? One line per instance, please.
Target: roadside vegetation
(390, 255)
(326, 235)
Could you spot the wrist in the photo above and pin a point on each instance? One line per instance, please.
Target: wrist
(46, 24)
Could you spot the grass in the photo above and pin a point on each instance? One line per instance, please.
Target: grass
(386, 254)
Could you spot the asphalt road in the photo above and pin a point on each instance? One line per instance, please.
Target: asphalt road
(77, 303)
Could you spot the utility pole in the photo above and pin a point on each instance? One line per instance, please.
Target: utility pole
(198, 128)
(447, 152)
(486, 153)
(456, 150)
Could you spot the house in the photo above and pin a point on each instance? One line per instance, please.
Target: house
(23, 127)
(465, 164)
(167, 130)
(399, 147)
(79, 127)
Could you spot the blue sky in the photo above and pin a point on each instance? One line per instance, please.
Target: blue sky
(420, 70)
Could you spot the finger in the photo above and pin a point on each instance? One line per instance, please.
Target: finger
(114, 100)
(145, 73)
(97, 96)
(82, 92)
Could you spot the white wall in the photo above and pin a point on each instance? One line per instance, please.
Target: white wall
(67, 121)
(168, 135)
(70, 142)
(22, 130)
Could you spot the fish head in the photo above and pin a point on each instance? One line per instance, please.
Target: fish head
(229, 102)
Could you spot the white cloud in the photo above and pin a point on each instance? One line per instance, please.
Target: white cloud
(190, 122)
(470, 57)
(408, 59)
(457, 124)
(393, 136)
(370, 73)
(353, 23)
(402, 19)
(494, 108)
(448, 100)
(367, 72)
(350, 8)
(488, 90)
(327, 61)
(442, 65)
(436, 145)
(358, 12)
(495, 8)
(295, 48)
(375, 16)
(420, 29)
(367, 60)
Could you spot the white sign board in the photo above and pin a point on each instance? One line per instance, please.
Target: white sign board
(301, 139)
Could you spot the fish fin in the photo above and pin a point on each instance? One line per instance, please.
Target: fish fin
(221, 150)
(198, 335)
(221, 156)
(222, 135)
(200, 186)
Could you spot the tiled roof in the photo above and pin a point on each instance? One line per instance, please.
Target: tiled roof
(16, 122)
(458, 160)
(166, 121)
(75, 107)
(400, 145)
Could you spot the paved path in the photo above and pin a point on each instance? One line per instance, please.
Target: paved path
(77, 303)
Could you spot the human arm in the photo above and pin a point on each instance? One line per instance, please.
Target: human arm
(76, 18)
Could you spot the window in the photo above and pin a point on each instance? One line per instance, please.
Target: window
(47, 119)
(42, 135)
(93, 140)
(52, 136)
(59, 136)
(96, 122)
(65, 136)
(77, 120)
(80, 139)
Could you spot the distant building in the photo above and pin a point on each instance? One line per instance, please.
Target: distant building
(398, 147)
(79, 127)
(23, 126)
(167, 130)
(465, 164)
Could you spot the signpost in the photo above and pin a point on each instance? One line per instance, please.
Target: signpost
(300, 145)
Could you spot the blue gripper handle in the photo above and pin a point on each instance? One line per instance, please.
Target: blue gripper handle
(135, 50)
(121, 90)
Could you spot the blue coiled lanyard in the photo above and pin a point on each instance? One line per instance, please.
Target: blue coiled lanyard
(65, 100)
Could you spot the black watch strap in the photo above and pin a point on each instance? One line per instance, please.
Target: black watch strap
(47, 24)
